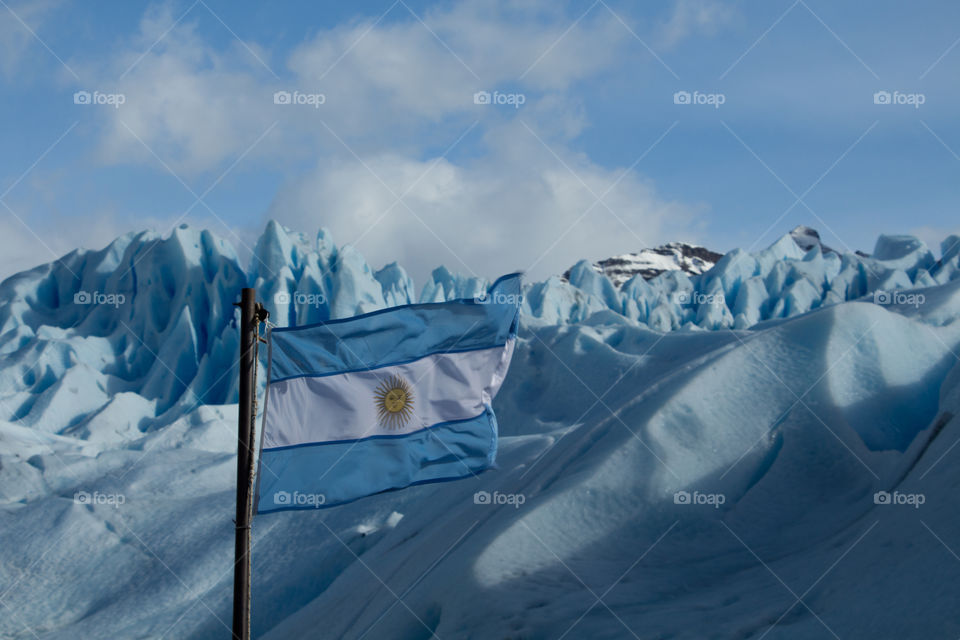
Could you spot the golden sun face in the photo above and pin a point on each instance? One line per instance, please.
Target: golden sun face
(394, 402)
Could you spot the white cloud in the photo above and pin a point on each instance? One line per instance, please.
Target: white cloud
(393, 83)
(26, 242)
(194, 106)
(692, 18)
(38, 234)
(16, 23)
(19, 249)
(398, 92)
(514, 208)
(435, 66)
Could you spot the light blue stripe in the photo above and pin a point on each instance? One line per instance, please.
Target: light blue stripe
(386, 364)
(397, 334)
(341, 472)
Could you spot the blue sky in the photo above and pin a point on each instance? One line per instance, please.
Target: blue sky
(401, 161)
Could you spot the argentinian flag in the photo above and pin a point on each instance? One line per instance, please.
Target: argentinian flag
(384, 400)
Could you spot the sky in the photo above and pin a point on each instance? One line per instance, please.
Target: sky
(488, 137)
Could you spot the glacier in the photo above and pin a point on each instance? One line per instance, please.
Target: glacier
(766, 449)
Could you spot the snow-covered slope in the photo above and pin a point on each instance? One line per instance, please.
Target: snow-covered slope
(698, 498)
(681, 484)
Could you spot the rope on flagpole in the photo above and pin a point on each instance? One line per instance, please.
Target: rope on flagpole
(263, 316)
(256, 369)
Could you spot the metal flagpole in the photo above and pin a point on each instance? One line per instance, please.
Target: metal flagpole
(251, 314)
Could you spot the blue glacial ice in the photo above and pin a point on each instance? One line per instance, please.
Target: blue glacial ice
(763, 450)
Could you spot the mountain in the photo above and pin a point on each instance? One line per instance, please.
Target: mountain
(808, 238)
(764, 448)
(649, 263)
(690, 258)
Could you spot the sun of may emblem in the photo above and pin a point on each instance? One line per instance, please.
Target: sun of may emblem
(394, 402)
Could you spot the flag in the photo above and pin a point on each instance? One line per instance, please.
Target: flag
(384, 400)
